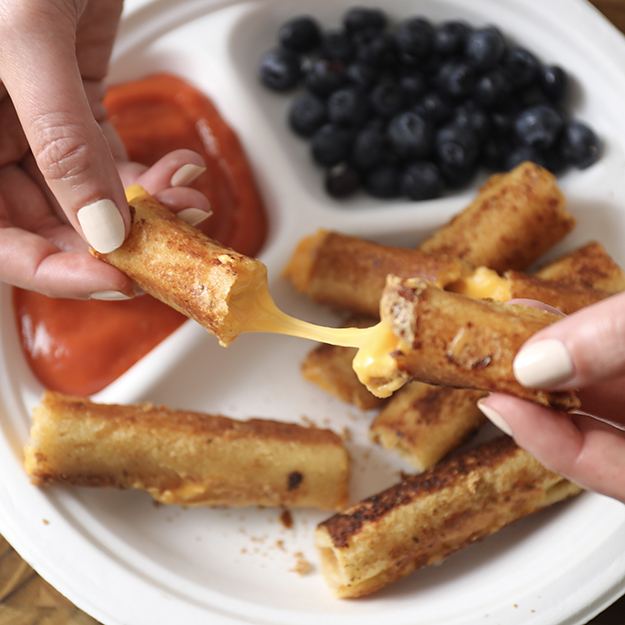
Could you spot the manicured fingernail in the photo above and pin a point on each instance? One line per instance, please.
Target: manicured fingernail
(193, 216)
(102, 225)
(495, 418)
(186, 175)
(543, 364)
(109, 296)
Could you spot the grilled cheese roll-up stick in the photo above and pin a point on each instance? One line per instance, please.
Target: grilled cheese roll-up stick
(186, 458)
(515, 219)
(448, 339)
(350, 273)
(425, 518)
(423, 423)
(589, 266)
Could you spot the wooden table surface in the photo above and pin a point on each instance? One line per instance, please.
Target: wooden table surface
(26, 599)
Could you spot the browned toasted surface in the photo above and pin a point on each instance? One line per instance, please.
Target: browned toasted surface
(182, 267)
(453, 340)
(514, 219)
(426, 518)
(349, 273)
(423, 423)
(589, 267)
(186, 457)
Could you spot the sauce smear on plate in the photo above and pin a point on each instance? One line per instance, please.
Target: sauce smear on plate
(80, 347)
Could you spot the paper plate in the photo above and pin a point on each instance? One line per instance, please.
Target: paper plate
(125, 561)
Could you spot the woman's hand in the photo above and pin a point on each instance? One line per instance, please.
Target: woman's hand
(585, 351)
(62, 167)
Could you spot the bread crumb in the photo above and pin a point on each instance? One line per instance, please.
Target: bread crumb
(302, 566)
(243, 550)
(45, 521)
(286, 518)
(346, 434)
(307, 421)
(280, 544)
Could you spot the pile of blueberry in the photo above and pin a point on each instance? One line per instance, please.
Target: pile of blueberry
(418, 108)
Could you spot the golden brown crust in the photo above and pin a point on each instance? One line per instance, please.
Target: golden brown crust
(182, 267)
(514, 219)
(330, 368)
(349, 273)
(185, 457)
(589, 267)
(425, 518)
(422, 423)
(453, 340)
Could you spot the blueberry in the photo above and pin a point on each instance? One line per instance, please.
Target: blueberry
(532, 96)
(300, 34)
(484, 47)
(348, 106)
(521, 66)
(449, 37)
(383, 182)
(434, 107)
(307, 114)
(414, 37)
(341, 181)
(362, 75)
(492, 88)
(456, 79)
(336, 46)
(538, 126)
(370, 148)
(457, 177)
(421, 180)
(502, 123)
(580, 146)
(494, 153)
(330, 145)
(554, 160)
(413, 85)
(378, 51)
(358, 19)
(325, 76)
(524, 153)
(280, 70)
(456, 147)
(411, 135)
(553, 81)
(387, 98)
(471, 117)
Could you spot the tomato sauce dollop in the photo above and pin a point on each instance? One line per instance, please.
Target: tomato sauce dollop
(79, 347)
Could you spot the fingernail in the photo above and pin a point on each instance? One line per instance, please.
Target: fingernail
(495, 418)
(109, 296)
(186, 175)
(543, 364)
(193, 216)
(102, 225)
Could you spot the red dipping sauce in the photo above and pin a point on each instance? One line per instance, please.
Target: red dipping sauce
(79, 347)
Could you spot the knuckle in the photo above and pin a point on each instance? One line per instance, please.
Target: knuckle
(61, 151)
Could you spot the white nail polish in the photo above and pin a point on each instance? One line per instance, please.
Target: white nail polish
(186, 175)
(495, 418)
(543, 364)
(193, 216)
(109, 296)
(102, 225)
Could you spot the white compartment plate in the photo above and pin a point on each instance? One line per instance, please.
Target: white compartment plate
(125, 561)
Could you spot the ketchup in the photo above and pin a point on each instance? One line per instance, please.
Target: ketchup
(79, 347)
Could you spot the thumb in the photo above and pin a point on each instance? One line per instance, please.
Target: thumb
(583, 348)
(40, 71)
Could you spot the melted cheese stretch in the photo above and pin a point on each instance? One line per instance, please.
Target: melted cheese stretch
(374, 365)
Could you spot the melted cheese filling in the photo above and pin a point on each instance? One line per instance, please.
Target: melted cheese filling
(483, 283)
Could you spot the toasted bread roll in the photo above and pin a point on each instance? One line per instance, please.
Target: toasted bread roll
(452, 340)
(423, 423)
(349, 273)
(514, 219)
(426, 518)
(589, 266)
(182, 267)
(330, 368)
(186, 458)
